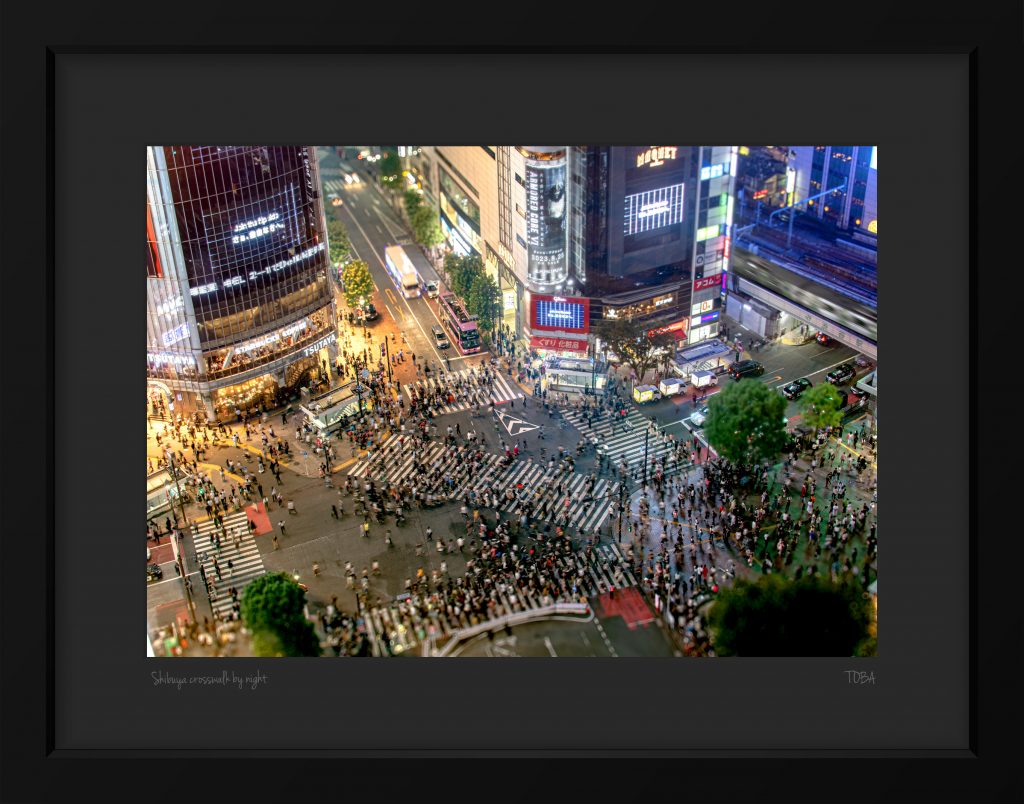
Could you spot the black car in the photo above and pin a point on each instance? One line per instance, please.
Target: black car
(153, 572)
(822, 338)
(841, 374)
(745, 368)
(795, 388)
(370, 312)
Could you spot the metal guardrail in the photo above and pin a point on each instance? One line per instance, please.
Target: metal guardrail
(509, 620)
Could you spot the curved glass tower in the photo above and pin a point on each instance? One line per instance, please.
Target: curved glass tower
(240, 311)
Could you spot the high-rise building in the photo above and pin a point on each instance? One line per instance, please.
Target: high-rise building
(641, 232)
(850, 172)
(657, 233)
(240, 312)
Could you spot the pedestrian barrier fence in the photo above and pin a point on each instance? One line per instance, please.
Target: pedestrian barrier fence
(508, 621)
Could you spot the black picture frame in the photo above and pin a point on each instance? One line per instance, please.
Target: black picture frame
(32, 566)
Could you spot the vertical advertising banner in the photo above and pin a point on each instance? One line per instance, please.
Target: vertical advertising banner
(545, 215)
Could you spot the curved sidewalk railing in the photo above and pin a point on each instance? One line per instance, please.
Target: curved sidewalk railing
(507, 621)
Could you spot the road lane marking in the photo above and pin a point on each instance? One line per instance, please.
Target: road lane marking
(390, 295)
(827, 368)
(404, 300)
(379, 229)
(550, 647)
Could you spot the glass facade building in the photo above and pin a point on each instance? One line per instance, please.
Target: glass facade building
(239, 306)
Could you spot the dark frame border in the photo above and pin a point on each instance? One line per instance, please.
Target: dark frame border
(987, 54)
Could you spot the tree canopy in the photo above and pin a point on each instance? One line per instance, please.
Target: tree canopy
(390, 167)
(820, 406)
(412, 201)
(426, 228)
(631, 341)
(482, 300)
(357, 282)
(779, 616)
(272, 608)
(338, 244)
(746, 422)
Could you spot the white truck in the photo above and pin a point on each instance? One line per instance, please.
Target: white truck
(703, 379)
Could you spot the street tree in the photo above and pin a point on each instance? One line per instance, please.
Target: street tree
(338, 244)
(461, 272)
(482, 300)
(425, 226)
(390, 168)
(820, 406)
(357, 282)
(633, 343)
(412, 201)
(272, 609)
(747, 422)
(779, 616)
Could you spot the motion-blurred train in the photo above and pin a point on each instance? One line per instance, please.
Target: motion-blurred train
(850, 314)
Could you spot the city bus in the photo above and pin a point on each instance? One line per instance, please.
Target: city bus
(402, 271)
(460, 324)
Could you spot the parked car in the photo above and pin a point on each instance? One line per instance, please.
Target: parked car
(440, 339)
(700, 416)
(370, 312)
(745, 368)
(823, 339)
(863, 361)
(795, 388)
(433, 290)
(841, 374)
(153, 572)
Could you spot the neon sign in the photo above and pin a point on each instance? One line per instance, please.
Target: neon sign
(656, 156)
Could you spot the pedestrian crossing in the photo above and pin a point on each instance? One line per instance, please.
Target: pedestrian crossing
(412, 619)
(563, 498)
(624, 439)
(501, 389)
(334, 185)
(247, 563)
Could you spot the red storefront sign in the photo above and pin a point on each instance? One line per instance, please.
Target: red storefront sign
(706, 282)
(558, 344)
(679, 328)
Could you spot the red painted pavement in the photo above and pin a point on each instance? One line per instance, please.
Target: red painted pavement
(161, 553)
(627, 604)
(258, 514)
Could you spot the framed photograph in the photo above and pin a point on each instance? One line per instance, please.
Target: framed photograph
(606, 403)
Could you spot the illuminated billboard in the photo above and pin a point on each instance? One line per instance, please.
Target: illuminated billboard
(555, 313)
(545, 214)
(654, 209)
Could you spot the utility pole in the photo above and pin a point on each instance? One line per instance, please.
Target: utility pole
(387, 351)
(647, 438)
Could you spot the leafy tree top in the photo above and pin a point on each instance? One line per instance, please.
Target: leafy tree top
(747, 422)
(820, 406)
(357, 281)
(779, 616)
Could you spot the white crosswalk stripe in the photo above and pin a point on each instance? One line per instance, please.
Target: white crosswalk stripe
(246, 561)
(624, 440)
(581, 503)
(334, 185)
(400, 626)
(501, 390)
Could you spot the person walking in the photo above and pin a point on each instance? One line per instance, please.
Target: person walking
(280, 524)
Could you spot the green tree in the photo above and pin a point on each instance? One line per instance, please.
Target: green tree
(820, 406)
(338, 244)
(425, 226)
(482, 300)
(412, 201)
(779, 616)
(461, 272)
(390, 168)
(272, 608)
(631, 341)
(357, 282)
(747, 422)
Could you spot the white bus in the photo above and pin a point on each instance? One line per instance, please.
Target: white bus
(402, 271)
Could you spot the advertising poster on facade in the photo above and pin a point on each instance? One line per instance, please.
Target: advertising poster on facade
(545, 214)
(559, 314)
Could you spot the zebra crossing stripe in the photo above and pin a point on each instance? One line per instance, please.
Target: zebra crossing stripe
(247, 562)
